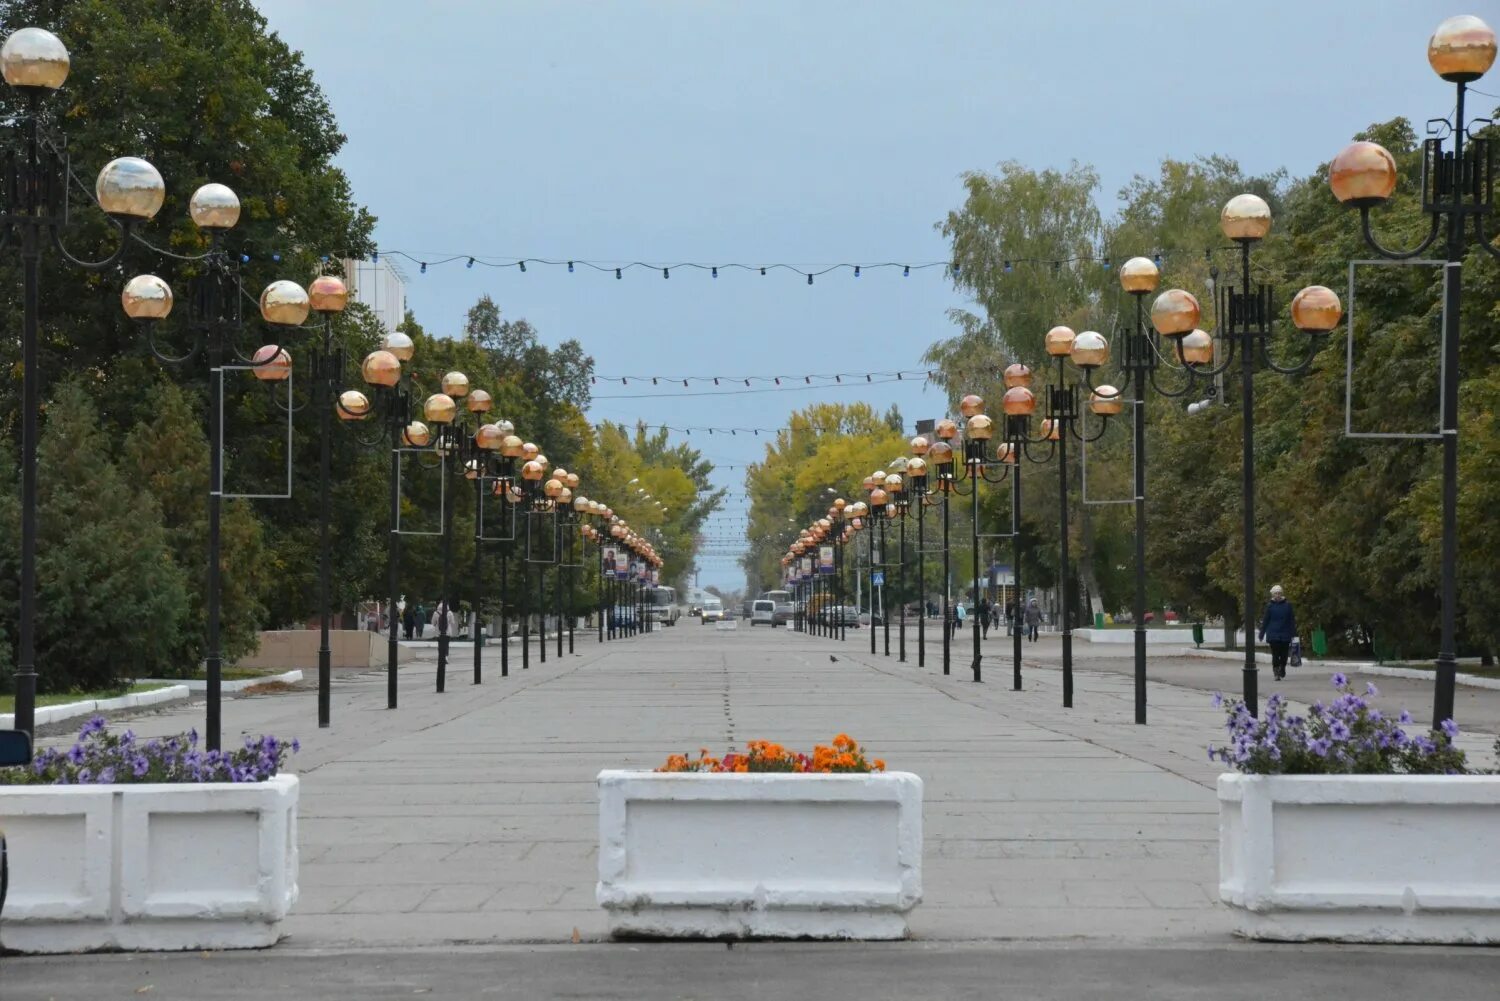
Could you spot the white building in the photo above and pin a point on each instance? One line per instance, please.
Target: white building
(381, 286)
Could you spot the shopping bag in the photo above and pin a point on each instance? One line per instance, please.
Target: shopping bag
(1294, 655)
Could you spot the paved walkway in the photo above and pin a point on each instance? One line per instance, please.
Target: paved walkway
(469, 818)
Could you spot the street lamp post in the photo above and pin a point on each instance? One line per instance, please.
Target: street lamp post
(895, 485)
(1245, 328)
(128, 190)
(214, 320)
(1088, 350)
(381, 371)
(940, 456)
(916, 486)
(1457, 185)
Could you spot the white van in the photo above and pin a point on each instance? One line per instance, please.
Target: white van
(763, 611)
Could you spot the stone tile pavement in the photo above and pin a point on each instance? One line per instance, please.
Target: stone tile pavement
(469, 817)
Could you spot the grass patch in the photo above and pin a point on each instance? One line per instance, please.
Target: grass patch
(8, 702)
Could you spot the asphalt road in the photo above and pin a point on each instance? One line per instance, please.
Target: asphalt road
(710, 972)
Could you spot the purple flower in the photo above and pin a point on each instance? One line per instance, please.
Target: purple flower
(1319, 746)
(84, 775)
(1338, 730)
(1338, 679)
(106, 776)
(1371, 690)
(296, 745)
(1405, 717)
(140, 766)
(1450, 728)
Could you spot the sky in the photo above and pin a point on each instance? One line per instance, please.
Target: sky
(789, 132)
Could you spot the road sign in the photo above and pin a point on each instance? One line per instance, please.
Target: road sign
(877, 579)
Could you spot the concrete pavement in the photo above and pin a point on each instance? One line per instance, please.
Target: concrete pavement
(468, 819)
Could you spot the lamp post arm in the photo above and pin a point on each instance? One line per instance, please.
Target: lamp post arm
(1397, 255)
(1315, 345)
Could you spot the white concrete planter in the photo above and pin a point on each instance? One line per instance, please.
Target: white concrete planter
(690, 855)
(1361, 858)
(149, 867)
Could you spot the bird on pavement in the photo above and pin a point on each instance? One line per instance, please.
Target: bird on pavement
(833, 659)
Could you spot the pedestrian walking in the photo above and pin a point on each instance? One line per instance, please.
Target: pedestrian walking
(959, 614)
(408, 620)
(984, 618)
(1033, 619)
(1278, 627)
(1012, 624)
(421, 620)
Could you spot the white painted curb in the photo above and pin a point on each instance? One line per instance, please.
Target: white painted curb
(70, 710)
(1361, 667)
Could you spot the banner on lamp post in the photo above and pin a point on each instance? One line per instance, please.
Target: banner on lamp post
(825, 559)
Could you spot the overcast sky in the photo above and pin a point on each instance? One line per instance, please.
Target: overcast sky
(787, 131)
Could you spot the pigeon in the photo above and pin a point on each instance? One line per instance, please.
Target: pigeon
(833, 659)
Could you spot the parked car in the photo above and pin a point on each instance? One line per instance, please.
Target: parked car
(763, 612)
(846, 615)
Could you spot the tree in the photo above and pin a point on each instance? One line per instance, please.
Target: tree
(167, 456)
(110, 599)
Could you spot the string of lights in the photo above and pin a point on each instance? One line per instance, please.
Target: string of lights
(834, 377)
(808, 272)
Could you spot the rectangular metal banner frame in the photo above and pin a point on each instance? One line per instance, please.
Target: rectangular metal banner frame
(1349, 431)
(219, 445)
(442, 489)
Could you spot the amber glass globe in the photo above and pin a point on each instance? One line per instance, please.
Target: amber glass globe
(971, 404)
(146, 297)
(1106, 401)
(1198, 348)
(1175, 313)
(380, 368)
(353, 405)
(980, 428)
(1060, 341)
(272, 363)
(416, 435)
(214, 206)
(284, 303)
(1245, 217)
(1090, 349)
(399, 345)
(1018, 402)
(1462, 49)
(946, 429)
(1363, 174)
(34, 57)
(328, 294)
(439, 408)
(1139, 275)
(1316, 310)
(1017, 374)
(129, 187)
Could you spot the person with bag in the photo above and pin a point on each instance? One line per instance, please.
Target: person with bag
(1033, 619)
(1278, 627)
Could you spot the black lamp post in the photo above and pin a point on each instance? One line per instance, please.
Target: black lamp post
(1457, 186)
(392, 406)
(1244, 328)
(214, 321)
(1088, 351)
(35, 210)
(897, 509)
(917, 492)
(940, 457)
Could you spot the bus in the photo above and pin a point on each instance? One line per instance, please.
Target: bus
(661, 605)
(786, 609)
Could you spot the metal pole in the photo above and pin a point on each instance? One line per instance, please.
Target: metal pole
(572, 582)
(1447, 661)
(1066, 569)
(505, 611)
(31, 256)
(392, 569)
(214, 661)
(325, 432)
(976, 474)
(541, 612)
(947, 576)
(1247, 480)
(1015, 541)
(526, 613)
(445, 602)
(1140, 519)
(921, 585)
(557, 597)
(901, 655)
(885, 610)
(478, 636)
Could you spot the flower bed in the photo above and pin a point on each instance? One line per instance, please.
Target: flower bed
(118, 843)
(1341, 825)
(768, 843)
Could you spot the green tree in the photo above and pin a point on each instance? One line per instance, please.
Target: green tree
(110, 599)
(167, 456)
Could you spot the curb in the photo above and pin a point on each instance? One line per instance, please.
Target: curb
(1360, 667)
(71, 710)
(228, 687)
(1471, 680)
